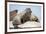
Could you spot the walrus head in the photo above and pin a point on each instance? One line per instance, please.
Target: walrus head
(26, 16)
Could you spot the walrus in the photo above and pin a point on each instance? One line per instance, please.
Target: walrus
(24, 17)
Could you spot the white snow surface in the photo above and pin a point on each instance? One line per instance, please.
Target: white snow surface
(27, 24)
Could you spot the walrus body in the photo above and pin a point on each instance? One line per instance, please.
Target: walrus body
(23, 17)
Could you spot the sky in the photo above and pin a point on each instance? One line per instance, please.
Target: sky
(36, 10)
